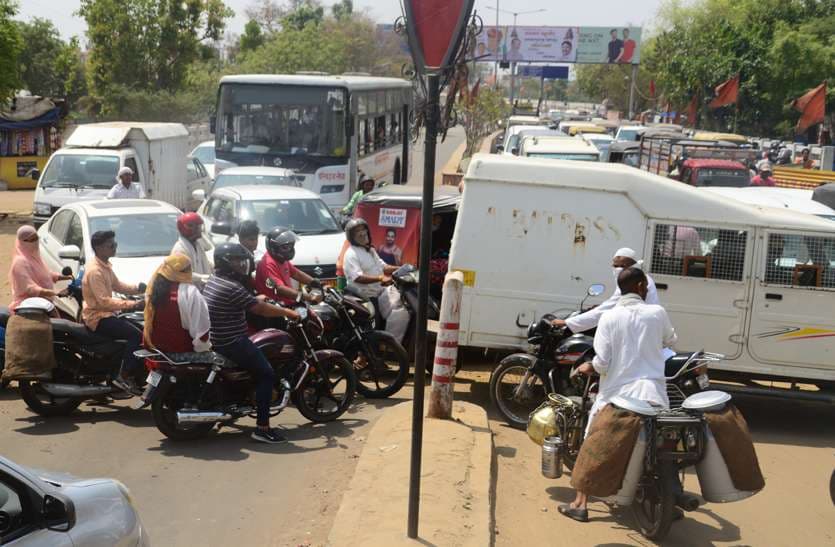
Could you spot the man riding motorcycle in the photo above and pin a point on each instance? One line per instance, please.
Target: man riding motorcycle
(229, 301)
(369, 276)
(277, 266)
(191, 244)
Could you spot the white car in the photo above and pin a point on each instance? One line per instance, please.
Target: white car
(601, 141)
(146, 230)
(39, 509)
(251, 176)
(321, 238)
(629, 133)
(205, 152)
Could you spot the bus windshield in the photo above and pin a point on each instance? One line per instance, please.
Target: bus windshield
(282, 119)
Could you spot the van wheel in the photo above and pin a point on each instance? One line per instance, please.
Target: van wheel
(397, 173)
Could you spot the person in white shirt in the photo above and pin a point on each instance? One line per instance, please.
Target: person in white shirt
(629, 357)
(191, 244)
(124, 188)
(369, 276)
(624, 258)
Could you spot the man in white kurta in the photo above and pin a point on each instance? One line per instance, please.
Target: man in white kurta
(629, 356)
(192, 244)
(624, 258)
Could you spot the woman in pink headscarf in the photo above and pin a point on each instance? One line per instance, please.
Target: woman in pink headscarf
(28, 275)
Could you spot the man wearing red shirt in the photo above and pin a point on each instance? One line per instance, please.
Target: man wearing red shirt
(276, 265)
(764, 178)
(628, 50)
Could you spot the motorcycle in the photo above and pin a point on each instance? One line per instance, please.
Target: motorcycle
(380, 362)
(190, 394)
(522, 381)
(672, 440)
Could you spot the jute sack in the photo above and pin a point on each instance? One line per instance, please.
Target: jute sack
(737, 447)
(604, 456)
(29, 354)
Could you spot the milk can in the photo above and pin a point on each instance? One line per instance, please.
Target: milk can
(552, 448)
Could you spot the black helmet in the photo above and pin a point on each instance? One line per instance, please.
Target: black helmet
(352, 225)
(225, 253)
(281, 243)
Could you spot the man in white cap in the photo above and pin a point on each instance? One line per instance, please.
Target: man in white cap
(624, 258)
(124, 187)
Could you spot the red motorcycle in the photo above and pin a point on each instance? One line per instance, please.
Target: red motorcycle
(190, 393)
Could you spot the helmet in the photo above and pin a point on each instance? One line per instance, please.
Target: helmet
(225, 253)
(281, 243)
(189, 225)
(35, 304)
(352, 225)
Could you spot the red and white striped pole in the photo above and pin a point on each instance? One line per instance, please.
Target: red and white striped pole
(446, 348)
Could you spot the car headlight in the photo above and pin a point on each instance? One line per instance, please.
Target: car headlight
(42, 208)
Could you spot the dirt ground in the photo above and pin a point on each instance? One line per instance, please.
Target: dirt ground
(795, 444)
(15, 209)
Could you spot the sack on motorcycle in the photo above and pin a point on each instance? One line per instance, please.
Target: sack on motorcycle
(737, 448)
(29, 352)
(603, 458)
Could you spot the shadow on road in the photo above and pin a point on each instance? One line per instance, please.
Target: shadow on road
(39, 425)
(796, 423)
(223, 445)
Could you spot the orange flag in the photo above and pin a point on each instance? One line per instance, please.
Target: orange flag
(812, 106)
(726, 93)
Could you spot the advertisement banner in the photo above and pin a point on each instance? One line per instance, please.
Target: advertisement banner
(395, 232)
(597, 45)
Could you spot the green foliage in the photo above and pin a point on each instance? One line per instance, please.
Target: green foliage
(343, 10)
(303, 14)
(10, 46)
(780, 48)
(481, 115)
(253, 37)
(146, 45)
(47, 65)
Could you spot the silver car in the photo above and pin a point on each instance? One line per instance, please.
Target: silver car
(45, 509)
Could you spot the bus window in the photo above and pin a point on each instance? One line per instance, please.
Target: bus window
(380, 133)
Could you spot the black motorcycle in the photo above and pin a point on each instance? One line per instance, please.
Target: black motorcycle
(522, 381)
(191, 393)
(380, 362)
(675, 440)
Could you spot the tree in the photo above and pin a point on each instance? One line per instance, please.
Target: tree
(146, 44)
(69, 65)
(252, 38)
(10, 46)
(304, 13)
(36, 63)
(268, 14)
(343, 10)
(479, 113)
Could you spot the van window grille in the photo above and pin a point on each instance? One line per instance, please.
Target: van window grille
(696, 251)
(800, 261)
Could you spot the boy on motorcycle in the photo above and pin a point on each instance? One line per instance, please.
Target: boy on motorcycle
(369, 277)
(277, 266)
(629, 356)
(229, 301)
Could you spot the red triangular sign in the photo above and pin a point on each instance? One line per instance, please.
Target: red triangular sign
(436, 25)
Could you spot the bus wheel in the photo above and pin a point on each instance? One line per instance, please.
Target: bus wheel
(397, 173)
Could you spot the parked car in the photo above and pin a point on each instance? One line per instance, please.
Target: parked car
(250, 176)
(601, 142)
(40, 509)
(146, 230)
(321, 237)
(205, 152)
(559, 148)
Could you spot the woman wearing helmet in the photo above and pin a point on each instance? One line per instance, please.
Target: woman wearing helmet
(277, 266)
(192, 245)
(369, 276)
(229, 301)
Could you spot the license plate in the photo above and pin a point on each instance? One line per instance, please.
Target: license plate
(153, 378)
(703, 380)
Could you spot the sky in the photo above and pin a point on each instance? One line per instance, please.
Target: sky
(557, 12)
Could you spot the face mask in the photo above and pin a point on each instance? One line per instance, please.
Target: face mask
(616, 272)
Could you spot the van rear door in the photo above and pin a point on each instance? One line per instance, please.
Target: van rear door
(794, 298)
(702, 273)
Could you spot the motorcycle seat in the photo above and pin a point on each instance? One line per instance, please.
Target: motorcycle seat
(79, 331)
(4, 315)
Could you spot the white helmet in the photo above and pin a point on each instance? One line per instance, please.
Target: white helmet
(35, 304)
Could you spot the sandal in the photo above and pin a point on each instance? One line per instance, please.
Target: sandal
(575, 513)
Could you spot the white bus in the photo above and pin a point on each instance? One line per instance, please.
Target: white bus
(328, 129)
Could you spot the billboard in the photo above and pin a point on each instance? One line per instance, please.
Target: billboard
(560, 44)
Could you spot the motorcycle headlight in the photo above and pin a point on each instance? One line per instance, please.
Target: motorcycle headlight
(42, 208)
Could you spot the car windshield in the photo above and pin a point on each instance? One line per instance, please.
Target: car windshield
(303, 216)
(80, 170)
(140, 235)
(558, 156)
(282, 119)
(206, 154)
(223, 180)
(737, 178)
(628, 135)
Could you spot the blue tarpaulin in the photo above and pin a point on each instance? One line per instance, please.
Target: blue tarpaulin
(51, 117)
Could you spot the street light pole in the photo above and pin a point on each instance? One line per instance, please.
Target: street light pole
(497, 44)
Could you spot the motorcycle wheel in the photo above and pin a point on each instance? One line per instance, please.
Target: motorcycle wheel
(654, 503)
(386, 367)
(42, 403)
(164, 409)
(504, 381)
(327, 391)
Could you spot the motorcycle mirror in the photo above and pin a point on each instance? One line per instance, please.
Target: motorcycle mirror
(66, 271)
(597, 289)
